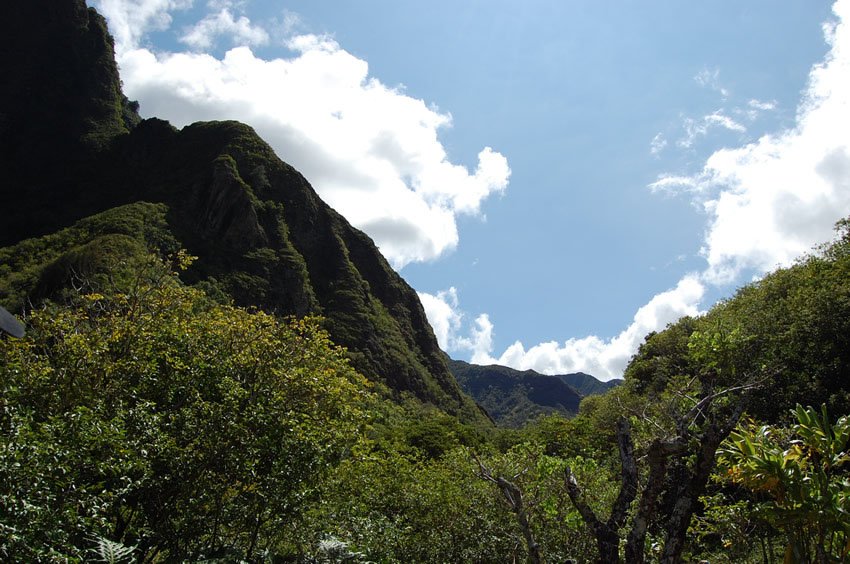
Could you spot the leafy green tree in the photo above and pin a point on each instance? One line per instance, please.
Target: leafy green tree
(803, 475)
(729, 529)
(147, 415)
(667, 448)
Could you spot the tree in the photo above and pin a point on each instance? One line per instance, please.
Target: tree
(681, 430)
(804, 476)
(514, 497)
(146, 415)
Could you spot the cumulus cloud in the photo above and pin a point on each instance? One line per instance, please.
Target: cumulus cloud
(130, 20)
(766, 202)
(603, 358)
(772, 200)
(480, 341)
(607, 359)
(240, 31)
(447, 319)
(370, 150)
(443, 315)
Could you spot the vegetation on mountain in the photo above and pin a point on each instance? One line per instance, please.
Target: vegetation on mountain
(587, 385)
(181, 393)
(262, 236)
(142, 411)
(513, 398)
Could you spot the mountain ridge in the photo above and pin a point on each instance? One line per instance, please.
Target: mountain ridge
(262, 235)
(514, 397)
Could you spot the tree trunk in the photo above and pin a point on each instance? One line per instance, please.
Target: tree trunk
(607, 534)
(658, 455)
(607, 539)
(687, 498)
(514, 497)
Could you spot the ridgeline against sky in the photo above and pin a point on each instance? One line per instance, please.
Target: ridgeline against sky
(92, 189)
(658, 155)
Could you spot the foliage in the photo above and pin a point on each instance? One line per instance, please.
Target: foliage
(804, 478)
(109, 244)
(112, 552)
(729, 529)
(143, 419)
(792, 329)
(396, 508)
(149, 416)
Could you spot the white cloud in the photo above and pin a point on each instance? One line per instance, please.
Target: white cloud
(772, 200)
(446, 318)
(717, 119)
(607, 359)
(290, 23)
(755, 108)
(767, 203)
(710, 78)
(130, 20)
(480, 341)
(699, 128)
(657, 144)
(216, 5)
(203, 35)
(443, 315)
(603, 358)
(371, 151)
(761, 105)
(671, 183)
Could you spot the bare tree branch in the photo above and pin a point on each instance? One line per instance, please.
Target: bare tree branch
(513, 495)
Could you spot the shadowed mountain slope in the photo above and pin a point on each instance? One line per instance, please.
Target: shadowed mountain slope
(77, 158)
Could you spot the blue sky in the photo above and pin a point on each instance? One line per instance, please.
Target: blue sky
(555, 179)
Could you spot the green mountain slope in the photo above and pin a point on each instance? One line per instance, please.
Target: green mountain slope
(75, 158)
(587, 385)
(512, 397)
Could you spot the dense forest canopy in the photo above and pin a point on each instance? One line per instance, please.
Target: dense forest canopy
(141, 414)
(217, 367)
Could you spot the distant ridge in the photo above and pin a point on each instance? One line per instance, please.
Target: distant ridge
(512, 397)
(587, 385)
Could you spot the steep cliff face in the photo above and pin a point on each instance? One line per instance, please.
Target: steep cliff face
(59, 73)
(60, 103)
(261, 233)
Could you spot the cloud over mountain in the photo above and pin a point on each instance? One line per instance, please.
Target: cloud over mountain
(603, 358)
(239, 30)
(370, 150)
